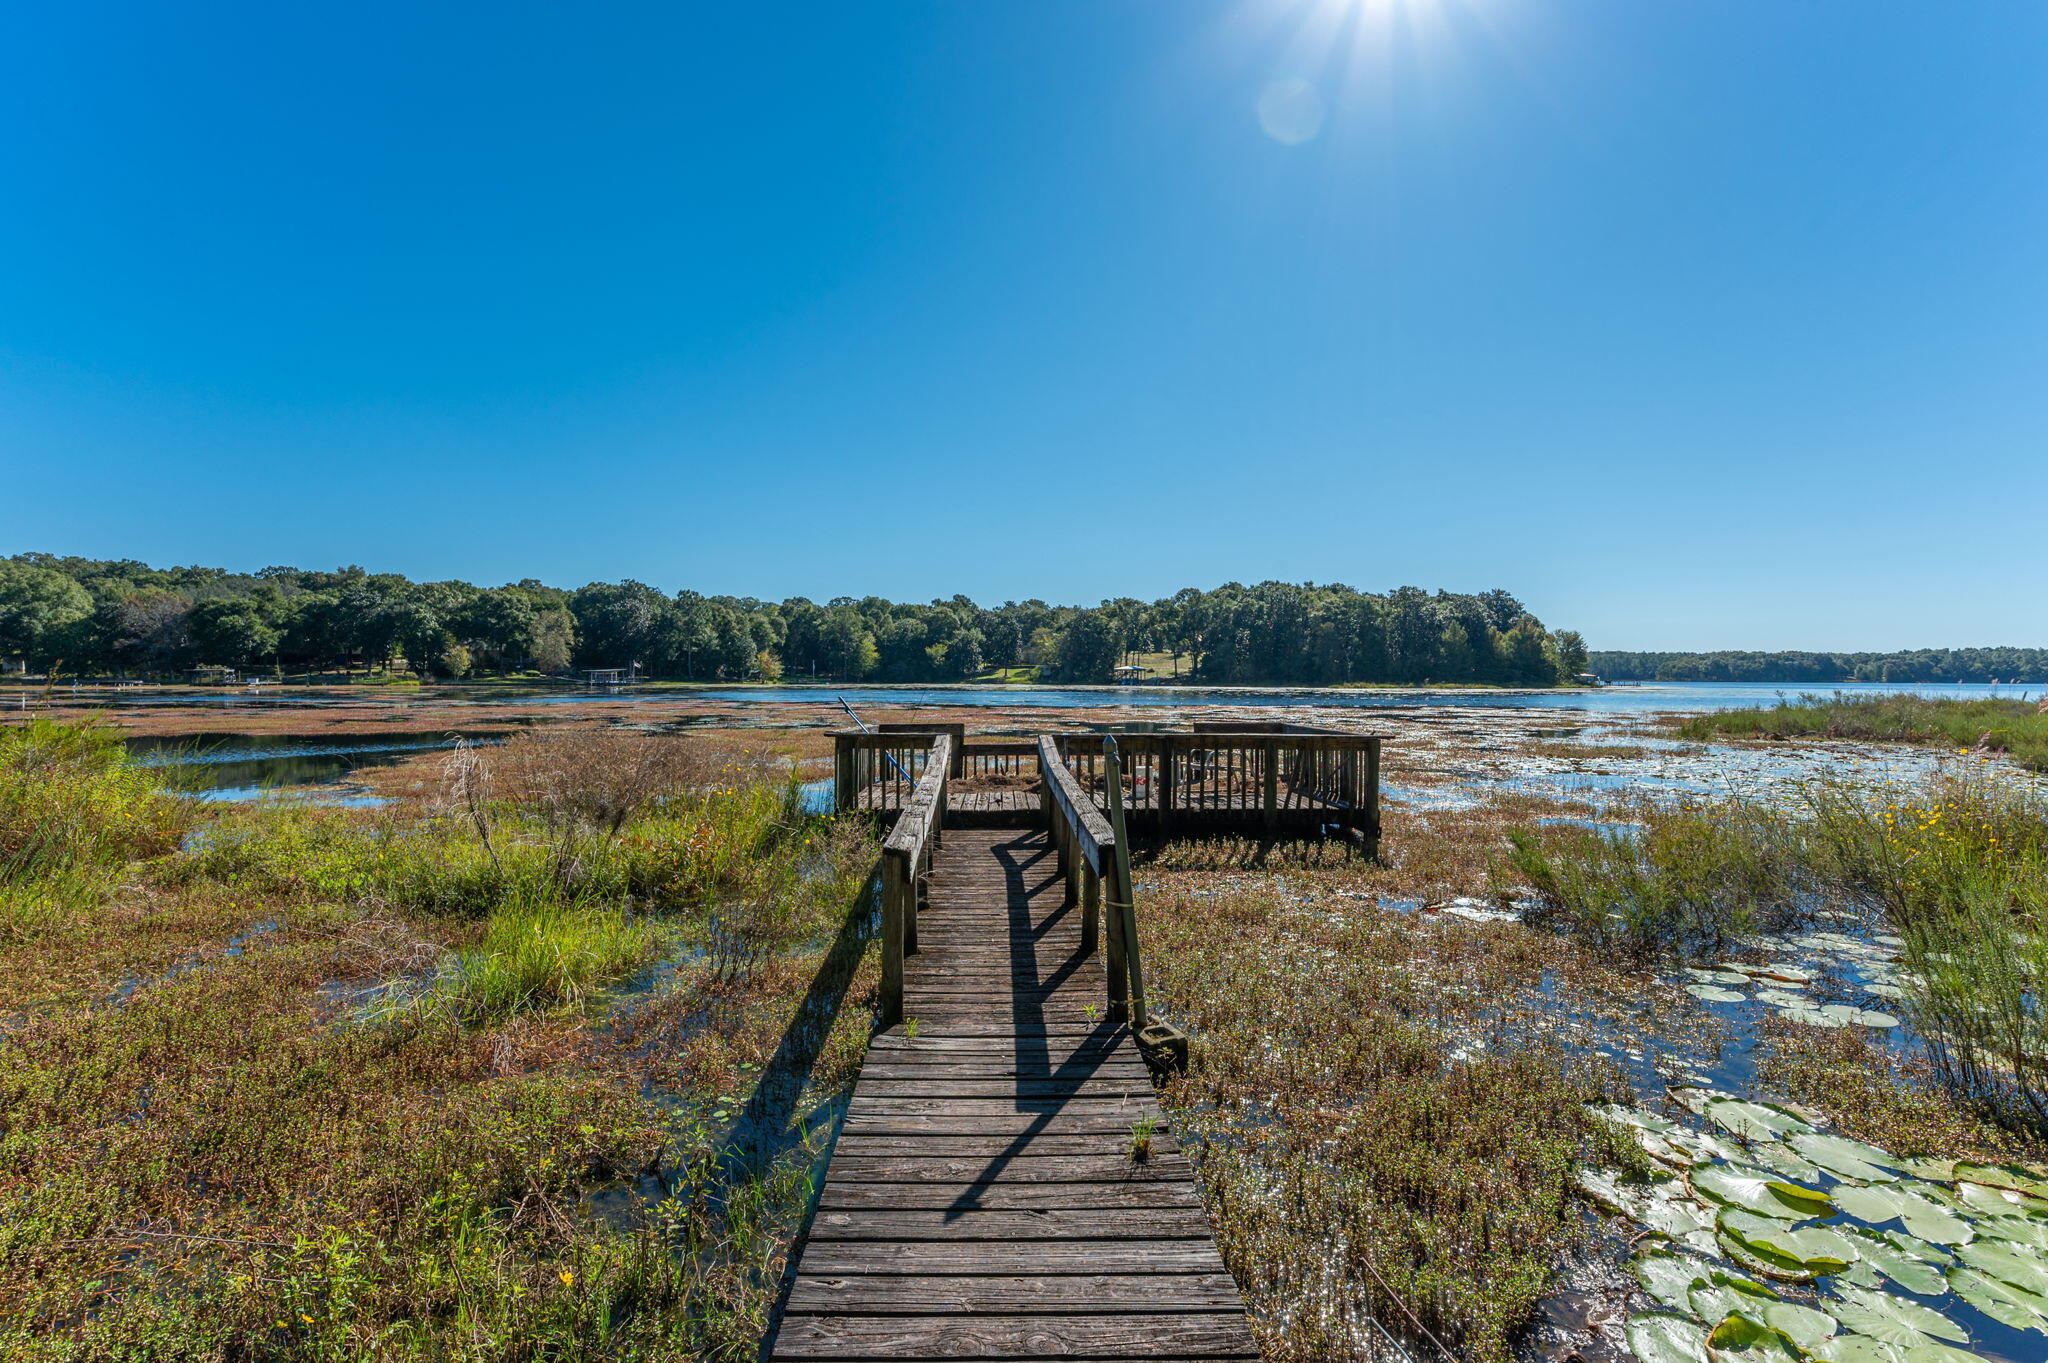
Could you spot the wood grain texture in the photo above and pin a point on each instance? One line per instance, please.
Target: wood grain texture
(985, 1200)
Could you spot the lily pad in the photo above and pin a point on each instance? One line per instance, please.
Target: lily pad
(1759, 1190)
(1716, 993)
(1923, 1217)
(1782, 1159)
(1816, 1250)
(1670, 1277)
(1639, 1117)
(2002, 1301)
(1859, 1017)
(2022, 1268)
(2003, 1176)
(1752, 1121)
(1989, 1201)
(1845, 1158)
(1913, 1264)
(1727, 1295)
(1740, 1337)
(1893, 1319)
(1665, 1337)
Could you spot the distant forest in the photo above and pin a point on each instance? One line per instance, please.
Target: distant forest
(1914, 665)
(123, 618)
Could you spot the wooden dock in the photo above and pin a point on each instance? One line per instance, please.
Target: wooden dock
(984, 1200)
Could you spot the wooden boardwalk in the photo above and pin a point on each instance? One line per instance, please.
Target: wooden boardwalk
(983, 1201)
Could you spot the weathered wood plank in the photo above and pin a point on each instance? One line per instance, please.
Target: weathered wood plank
(1023, 1145)
(1007, 1225)
(1188, 1335)
(1030, 1167)
(843, 1195)
(1095, 1293)
(1025, 1257)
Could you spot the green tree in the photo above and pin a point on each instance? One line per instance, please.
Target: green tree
(36, 605)
(554, 640)
(231, 632)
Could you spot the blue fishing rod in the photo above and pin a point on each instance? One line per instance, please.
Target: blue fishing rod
(866, 730)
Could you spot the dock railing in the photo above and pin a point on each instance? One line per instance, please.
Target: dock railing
(906, 868)
(875, 772)
(1094, 854)
(1271, 778)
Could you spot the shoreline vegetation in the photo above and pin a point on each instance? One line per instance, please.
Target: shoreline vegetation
(542, 1058)
(2015, 728)
(540, 1065)
(2017, 666)
(92, 617)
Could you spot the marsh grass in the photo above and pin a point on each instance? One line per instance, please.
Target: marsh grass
(2016, 727)
(1957, 868)
(1384, 1127)
(231, 1158)
(75, 812)
(1685, 879)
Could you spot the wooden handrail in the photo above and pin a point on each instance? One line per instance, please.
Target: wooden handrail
(1087, 850)
(906, 871)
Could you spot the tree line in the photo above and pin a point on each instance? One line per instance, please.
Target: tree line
(1911, 665)
(125, 618)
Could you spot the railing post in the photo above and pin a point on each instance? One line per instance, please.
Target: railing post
(1270, 787)
(1163, 792)
(1091, 912)
(895, 891)
(1372, 798)
(842, 773)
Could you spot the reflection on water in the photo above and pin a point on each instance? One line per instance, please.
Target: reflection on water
(247, 766)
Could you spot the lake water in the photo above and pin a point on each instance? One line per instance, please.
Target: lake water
(245, 766)
(1619, 698)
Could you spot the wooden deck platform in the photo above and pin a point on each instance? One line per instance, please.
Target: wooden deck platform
(983, 1201)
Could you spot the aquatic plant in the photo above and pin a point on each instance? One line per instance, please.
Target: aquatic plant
(1770, 1202)
(2014, 727)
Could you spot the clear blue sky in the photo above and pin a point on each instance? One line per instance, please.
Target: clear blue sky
(1695, 325)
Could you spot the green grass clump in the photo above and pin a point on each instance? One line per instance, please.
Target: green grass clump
(74, 813)
(416, 1113)
(542, 955)
(2015, 727)
(1957, 868)
(1687, 880)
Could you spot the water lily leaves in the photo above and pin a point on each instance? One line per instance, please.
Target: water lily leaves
(1633, 1116)
(1913, 1264)
(2022, 1268)
(2004, 1302)
(1752, 1121)
(1859, 1017)
(1989, 1201)
(1669, 1277)
(1854, 1349)
(1716, 993)
(1740, 1339)
(2003, 1176)
(1665, 1337)
(1727, 1295)
(1759, 1190)
(1923, 1217)
(1893, 1319)
(1781, 1160)
(1789, 974)
(1812, 1250)
(1703, 1146)
(1729, 975)
(1933, 1169)
(2030, 1231)
(1845, 1158)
